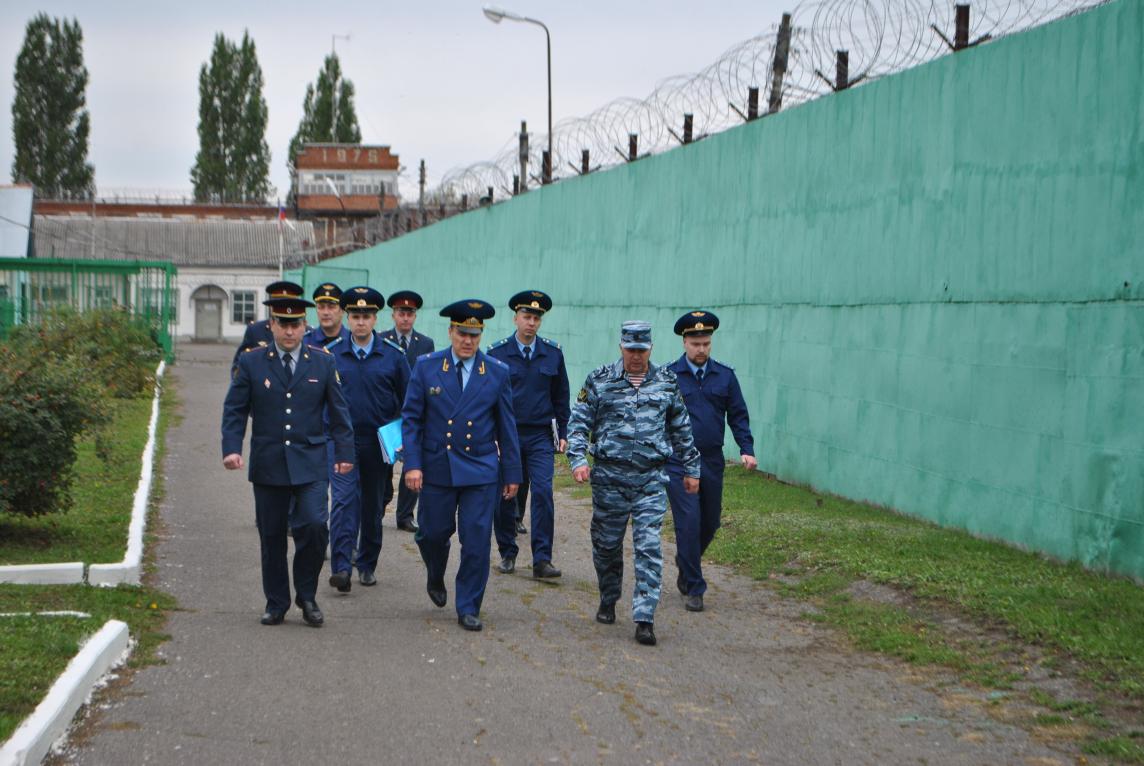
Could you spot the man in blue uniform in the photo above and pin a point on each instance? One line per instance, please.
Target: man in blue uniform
(405, 304)
(374, 378)
(540, 404)
(713, 398)
(284, 388)
(257, 334)
(460, 445)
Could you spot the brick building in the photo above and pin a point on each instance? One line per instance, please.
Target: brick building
(365, 178)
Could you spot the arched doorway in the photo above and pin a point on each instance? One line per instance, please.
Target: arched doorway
(208, 301)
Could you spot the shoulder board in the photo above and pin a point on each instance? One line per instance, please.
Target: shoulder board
(428, 354)
(496, 361)
(390, 342)
(320, 349)
(552, 343)
(667, 373)
(500, 343)
(248, 349)
(723, 364)
(601, 372)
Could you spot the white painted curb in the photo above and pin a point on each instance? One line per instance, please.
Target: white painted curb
(43, 574)
(130, 570)
(51, 718)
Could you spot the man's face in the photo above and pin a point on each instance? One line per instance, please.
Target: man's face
(697, 348)
(527, 325)
(403, 319)
(287, 332)
(635, 359)
(464, 345)
(329, 317)
(361, 325)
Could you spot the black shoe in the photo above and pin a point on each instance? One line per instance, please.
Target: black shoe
(311, 614)
(507, 565)
(470, 622)
(272, 617)
(407, 526)
(693, 603)
(681, 584)
(341, 581)
(367, 579)
(520, 530)
(606, 614)
(437, 593)
(645, 634)
(545, 569)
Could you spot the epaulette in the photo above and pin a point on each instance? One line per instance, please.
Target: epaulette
(426, 355)
(393, 343)
(552, 343)
(323, 349)
(601, 372)
(500, 343)
(667, 373)
(248, 349)
(496, 361)
(335, 341)
(723, 364)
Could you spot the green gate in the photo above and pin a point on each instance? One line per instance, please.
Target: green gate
(33, 287)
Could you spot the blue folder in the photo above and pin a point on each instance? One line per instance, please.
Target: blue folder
(389, 437)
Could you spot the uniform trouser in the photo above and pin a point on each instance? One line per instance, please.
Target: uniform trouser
(302, 509)
(696, 517)
(536, 461)
(345, 513)
(469, 512)
(375, 488)
(406, 500)
(521, 498)
(620, 492)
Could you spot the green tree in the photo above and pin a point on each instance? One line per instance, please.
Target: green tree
(50, 125)
(328, 113)
(233, 161)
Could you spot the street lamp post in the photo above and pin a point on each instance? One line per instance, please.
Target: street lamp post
(496, 15)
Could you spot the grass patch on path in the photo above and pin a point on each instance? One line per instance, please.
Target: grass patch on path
(94, 531)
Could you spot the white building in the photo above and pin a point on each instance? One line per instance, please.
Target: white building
(223, 264)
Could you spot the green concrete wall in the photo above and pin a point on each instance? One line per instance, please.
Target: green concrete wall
(932, 286)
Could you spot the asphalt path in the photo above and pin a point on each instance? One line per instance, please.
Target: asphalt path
(392, 679)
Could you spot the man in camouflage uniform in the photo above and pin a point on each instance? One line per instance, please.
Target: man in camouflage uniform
(634, 415)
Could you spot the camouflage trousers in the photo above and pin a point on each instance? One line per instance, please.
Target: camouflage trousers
(620, 493)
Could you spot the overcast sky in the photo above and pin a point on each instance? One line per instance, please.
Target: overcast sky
(434, 80)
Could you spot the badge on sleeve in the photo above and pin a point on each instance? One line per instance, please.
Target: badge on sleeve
(582, 396)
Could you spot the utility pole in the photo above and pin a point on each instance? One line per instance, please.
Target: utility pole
(421, 192)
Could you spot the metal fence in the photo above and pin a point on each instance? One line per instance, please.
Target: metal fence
(30, 288)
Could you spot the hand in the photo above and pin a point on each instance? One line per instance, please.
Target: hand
(581, 474)
(510, 491)
(563, 446)
(690, 485)
(413, 480)
(343, 467)
(749, 462)
(232, 462)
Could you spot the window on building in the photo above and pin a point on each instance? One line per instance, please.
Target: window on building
(242, 306)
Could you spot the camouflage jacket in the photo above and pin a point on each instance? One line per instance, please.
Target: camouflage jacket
(638, 427)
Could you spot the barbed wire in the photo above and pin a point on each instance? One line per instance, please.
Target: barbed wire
(881, 37)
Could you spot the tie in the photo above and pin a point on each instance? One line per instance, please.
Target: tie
(361, 353)
(404, 344)
(460, 377)
(289, 362)
(699, 376)
(527, 353)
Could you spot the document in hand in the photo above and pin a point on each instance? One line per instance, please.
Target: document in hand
(555, 436)
(389, 437)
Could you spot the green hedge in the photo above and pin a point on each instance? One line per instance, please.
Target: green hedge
(55, 381)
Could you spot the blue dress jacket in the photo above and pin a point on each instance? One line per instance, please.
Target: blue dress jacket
(539, 386)
(288, 437)
(419, 344)
(718, 403)
(374, 387)
(453, 437)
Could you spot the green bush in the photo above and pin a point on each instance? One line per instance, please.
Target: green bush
(110, 346)
(43, 409)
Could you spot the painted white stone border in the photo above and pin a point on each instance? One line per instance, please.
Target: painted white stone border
(131, 568)
(50, 720)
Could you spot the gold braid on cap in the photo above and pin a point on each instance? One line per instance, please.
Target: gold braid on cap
(469, 322)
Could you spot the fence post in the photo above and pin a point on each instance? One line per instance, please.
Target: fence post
(523, 157)
(752, 102)
(687, 125)
(779, 68)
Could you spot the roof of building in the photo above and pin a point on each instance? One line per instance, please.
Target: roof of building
(181, 242)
